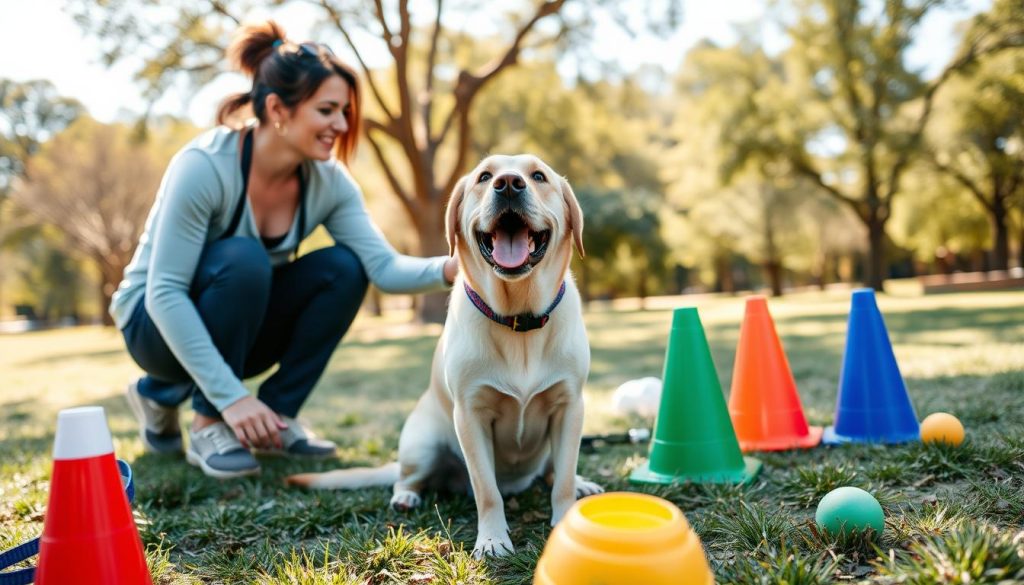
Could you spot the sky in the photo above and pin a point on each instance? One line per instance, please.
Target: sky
(38, 40)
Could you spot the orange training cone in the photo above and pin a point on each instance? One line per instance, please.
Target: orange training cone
(89, 535)
(763, 403)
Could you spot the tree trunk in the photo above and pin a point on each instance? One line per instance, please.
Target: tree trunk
(875, 266)
(111, 272)
(641, 289)
(106, 291)
(434, 307)
(773, 270)
(1020, 248)
(723, 274)
(823, 269)
(773, 263)
(376, 302)
(1001, 236)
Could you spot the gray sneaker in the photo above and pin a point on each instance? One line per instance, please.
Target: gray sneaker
(158, 424)
(299, 441)
(217, 451)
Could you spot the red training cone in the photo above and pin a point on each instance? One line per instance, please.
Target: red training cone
(764, 405)
(89, 535)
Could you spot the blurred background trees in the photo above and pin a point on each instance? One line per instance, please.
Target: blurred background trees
(830, 159)
(94, 182)
(419, 123)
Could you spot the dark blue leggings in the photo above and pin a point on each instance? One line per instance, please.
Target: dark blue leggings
(257, 316)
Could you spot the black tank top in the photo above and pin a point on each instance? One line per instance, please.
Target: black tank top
(236, 217)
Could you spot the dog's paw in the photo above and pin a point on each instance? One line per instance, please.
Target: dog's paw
(585, 487)
(492, 546)
(405, 500)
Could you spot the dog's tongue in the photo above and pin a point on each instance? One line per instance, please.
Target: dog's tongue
(511, 249)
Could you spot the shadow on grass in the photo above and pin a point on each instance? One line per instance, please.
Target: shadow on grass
(229, 531)
(996, 324)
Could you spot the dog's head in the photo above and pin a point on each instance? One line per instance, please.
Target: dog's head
(510, 213)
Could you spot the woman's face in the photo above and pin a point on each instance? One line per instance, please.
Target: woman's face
(317, 123)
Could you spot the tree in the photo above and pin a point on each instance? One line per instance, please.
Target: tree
(861, 110)
(979, 142)
(596, 135)
(96, 183)
(48, 277)
(30, 113)
(937, 219)
(420, 124)
(749, 204)
(623, 228)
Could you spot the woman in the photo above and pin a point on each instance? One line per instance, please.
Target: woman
(214, 294)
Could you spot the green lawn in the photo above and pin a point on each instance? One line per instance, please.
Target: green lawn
(954, 515)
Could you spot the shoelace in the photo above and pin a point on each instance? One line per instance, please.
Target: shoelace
(223, 438)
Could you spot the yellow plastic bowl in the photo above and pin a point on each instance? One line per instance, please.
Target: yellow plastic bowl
(623, 538)
(941, 427)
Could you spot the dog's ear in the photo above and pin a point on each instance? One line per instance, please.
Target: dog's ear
(575, 216)
(451, 216)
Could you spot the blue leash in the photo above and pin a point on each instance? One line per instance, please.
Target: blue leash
(31, 548)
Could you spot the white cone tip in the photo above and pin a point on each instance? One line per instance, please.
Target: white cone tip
(82, 433)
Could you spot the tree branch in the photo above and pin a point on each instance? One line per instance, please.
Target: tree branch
(428, 92)
(407, 201)
(846, 77)
(964, 180)
(969, 56)
(803, 167)
(469, 85)
(412, 142)
(221, 9)
(336, 19)
(385, 30)
(390, 131)
(512, 53)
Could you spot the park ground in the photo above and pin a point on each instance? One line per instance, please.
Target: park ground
(953, 515)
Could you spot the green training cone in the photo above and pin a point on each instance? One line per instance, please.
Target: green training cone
(693, 436)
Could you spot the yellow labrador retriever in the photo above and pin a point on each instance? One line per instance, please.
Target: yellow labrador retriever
(505, 400)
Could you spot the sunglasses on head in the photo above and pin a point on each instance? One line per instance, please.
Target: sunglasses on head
(315, 50)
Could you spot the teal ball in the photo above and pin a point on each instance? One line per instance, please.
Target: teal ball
(849, 509)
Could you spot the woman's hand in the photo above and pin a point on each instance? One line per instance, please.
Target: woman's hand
(451, 268)
(254, 423)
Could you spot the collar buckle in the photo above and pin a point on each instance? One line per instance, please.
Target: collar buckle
(526, 322)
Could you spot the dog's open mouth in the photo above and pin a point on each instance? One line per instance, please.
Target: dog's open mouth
(511, 247)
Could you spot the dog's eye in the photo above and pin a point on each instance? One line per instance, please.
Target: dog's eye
(539, 176)
(484, 176)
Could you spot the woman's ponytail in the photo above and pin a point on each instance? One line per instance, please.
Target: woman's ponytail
(249, 49)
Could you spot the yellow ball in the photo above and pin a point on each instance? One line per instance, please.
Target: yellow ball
(942, 428)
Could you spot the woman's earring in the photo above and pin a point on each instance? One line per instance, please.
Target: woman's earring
(281, 130)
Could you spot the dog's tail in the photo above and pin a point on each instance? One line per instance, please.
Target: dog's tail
(347, 479)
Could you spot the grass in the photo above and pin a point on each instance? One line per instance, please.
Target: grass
(953, 515)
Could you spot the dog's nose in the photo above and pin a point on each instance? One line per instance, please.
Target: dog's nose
(509, 185)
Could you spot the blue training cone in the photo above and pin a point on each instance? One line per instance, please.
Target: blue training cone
(873, 405)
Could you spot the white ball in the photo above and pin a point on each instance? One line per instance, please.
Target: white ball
(641, 396)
